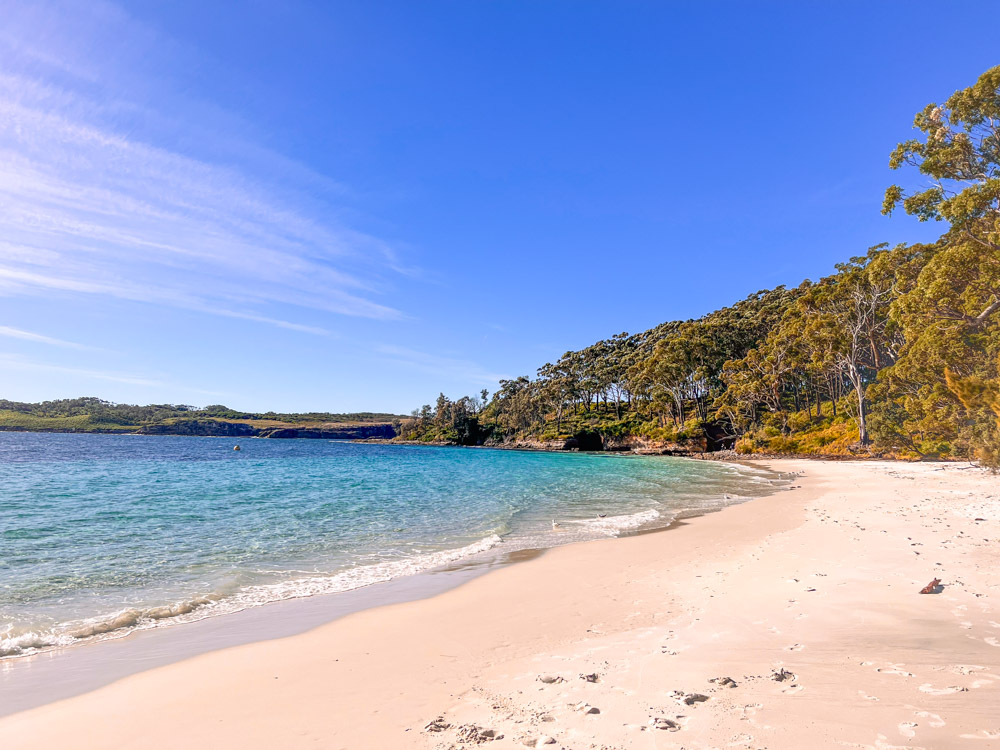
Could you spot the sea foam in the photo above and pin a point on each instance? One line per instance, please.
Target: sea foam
(123, 622)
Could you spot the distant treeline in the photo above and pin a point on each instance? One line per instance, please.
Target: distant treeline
(99, 412)
(897, 352)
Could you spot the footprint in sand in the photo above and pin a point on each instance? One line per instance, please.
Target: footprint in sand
(906, 729)
(881, 743)
(982, 734)
(867, 697)
(966, 668)
(992, 641)
(894, 669)
(933, 720)
(931, 690)
(794, 647)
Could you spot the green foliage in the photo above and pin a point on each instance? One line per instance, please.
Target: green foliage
(960, 153)
(897, 353)
(18, 420)
(454, 422)
(95, 415)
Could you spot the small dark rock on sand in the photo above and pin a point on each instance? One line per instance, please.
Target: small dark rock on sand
(932, 588)
(668, 724)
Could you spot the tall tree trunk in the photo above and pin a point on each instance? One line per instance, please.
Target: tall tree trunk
(859, 390)
(862, 418)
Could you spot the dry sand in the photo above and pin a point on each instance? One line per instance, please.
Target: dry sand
(793, 621)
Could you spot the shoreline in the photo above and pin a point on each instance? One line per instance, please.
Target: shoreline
(722, 455)
(36, 679)
(489, 551)
(643, 612)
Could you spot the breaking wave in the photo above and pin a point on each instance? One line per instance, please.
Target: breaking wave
(123, 622)
(614, 525)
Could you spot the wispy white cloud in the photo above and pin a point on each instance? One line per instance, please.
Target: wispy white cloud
(443, 367)
(11, 362)
(17, 333)
(90, 207)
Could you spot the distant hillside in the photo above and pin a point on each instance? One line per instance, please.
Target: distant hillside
(95, 415)
(895, 354)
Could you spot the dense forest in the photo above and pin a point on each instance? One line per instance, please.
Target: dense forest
(896, 353)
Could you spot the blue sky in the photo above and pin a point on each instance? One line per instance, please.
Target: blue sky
(354, 205)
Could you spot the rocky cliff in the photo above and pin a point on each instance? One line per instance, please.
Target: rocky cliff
(200, 427)
(332, 432)
(221, 428)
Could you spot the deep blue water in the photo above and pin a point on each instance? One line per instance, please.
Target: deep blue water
(103, 534)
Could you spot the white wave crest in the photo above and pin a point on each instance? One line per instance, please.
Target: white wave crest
(614, 525)
(123, 622)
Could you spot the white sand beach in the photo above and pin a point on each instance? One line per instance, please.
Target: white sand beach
(792, 621)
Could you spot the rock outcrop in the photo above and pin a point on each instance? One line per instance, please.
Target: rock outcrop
(222, 428)
(332, 432)
(200, 427)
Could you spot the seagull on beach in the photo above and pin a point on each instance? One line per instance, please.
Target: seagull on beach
(556, 526)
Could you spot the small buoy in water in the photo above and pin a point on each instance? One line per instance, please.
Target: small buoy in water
(236, 447)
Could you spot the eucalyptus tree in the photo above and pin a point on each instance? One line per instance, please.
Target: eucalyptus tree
(960, 152)
(848, 320)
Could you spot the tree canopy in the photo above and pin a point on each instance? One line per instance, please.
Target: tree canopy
(897, 352)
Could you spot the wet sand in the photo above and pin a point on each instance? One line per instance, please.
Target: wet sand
(787, 622)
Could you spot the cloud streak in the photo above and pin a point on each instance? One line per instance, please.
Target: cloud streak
(17, 333)
(89, 208)
(11, 362)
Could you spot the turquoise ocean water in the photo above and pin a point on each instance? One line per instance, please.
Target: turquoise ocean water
(101, 535)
